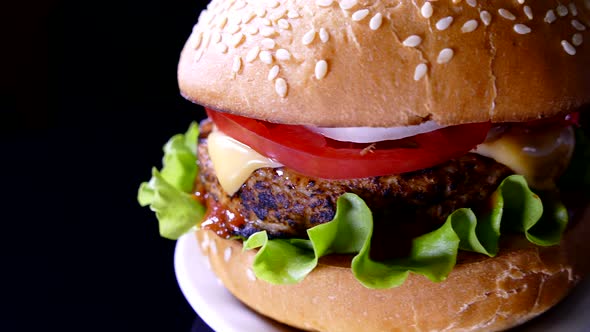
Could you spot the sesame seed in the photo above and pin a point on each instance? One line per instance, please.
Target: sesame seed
(273, 73)
(528, 12)
(204, 16)
(281, 87)
(444, 23)
(266, 21)
(198, 55)
(234, 20)
(321, 69)
(578, 25)
(222, 48)
(278, 15)
(272, 3)
(250, 274)
(412, 41)
(267, 31)
(360, 14)
(506, 14)
(268, 43)
(236, 39)
(221, 23)
(293, 13)
(237, 64)
(521, 29)
(420, 71)
(348, 4)
(260, 12)
(206, 39)
(248, 17)
(284, 24)
(561, 10)
(456, 2)
(252, 30)
(573, 9)
(324, 3)
(233, 29)
(486, 17)
(324, 36)
(445, 56)
(472, 3)
(376, 21)
(227, 254)
(550, 16)
(426, 10)
(283, 54)
(252, 54)
(211, 18)
(308, 37)
(216, 37)
(568, 48)
(469, 26)
(266, 57)
(197, 40)
(577, 39)
(240, 5)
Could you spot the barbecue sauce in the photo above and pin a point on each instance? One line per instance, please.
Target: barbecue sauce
(221, 220)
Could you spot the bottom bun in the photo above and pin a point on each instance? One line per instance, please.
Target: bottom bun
(481, 293)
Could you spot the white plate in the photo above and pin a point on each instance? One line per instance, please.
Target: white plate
(224, 313)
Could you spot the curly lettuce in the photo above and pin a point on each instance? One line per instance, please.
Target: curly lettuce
(433, 255)
(168, 193)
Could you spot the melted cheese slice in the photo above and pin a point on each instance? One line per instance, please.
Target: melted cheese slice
(234, 161)
(541, 155)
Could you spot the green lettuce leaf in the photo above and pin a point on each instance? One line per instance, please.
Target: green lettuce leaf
(168, 193)
(514, 208)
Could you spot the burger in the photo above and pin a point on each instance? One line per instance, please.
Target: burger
(385, 165)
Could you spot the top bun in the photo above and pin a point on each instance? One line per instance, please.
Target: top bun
(384, 63)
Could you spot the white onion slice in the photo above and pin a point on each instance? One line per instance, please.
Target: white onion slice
(374, 134)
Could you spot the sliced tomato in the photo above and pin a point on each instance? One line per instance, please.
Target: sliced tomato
(314, 155)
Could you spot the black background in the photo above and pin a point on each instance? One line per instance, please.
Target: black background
(88, 95)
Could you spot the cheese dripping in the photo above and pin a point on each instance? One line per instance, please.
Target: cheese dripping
(541, 154)
(234, 161)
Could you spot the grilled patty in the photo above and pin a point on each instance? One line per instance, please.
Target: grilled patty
(285, 203)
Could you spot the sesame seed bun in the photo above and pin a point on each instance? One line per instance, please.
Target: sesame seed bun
(488, 294)
(385, 63)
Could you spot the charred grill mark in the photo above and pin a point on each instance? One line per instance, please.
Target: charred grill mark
(322, 216)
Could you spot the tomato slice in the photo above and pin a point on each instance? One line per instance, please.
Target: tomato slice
(314, 155)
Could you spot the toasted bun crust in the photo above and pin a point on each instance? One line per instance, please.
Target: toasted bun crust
(481, 293)
(499, 72)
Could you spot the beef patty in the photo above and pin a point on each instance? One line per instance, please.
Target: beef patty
(285, 203)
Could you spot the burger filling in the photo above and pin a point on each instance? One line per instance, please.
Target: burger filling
(285, 203)
(400, 206)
